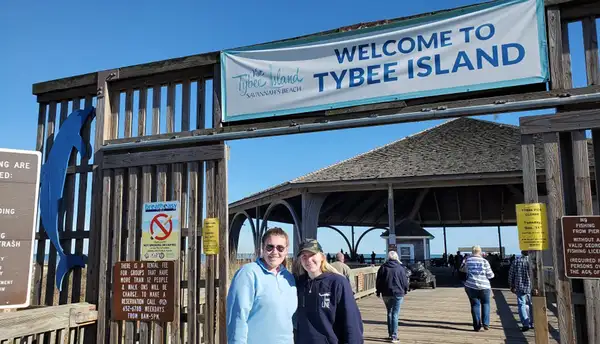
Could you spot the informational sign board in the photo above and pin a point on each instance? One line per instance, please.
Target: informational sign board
(161, 231)
(532, 224)
(144, 291)
(19, 188)
(581, 244)
(210, 236)
(487, 46)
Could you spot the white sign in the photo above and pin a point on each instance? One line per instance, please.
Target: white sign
(161, 231)
(488, 46)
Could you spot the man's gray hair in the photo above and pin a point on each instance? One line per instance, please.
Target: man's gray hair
(393, 255)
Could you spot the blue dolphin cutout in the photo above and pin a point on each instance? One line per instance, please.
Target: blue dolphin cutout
(53, 175)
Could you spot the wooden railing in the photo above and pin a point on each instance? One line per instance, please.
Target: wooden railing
(363, 281)
(61, 324)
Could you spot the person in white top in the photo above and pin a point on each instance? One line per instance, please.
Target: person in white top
(477, 287)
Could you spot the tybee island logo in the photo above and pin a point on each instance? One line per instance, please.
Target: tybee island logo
(275, 81)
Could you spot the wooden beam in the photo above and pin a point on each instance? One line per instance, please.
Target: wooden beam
(555, 212)
(418, 203)
(437, 207)
(480, 205)
(458, 207)
(176, 155)
(563, 121)
(580, 11)
(537, 275)
(391, 216)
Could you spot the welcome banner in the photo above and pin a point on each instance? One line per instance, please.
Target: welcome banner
(488, 46)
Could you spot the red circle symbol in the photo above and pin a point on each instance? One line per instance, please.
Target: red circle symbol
(160, 229)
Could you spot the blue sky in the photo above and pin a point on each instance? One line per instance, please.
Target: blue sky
(43, 40)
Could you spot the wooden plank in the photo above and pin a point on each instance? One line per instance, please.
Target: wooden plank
(78, 92)
(83, 80)
(530, 194)
(50, 132)
(200, 104)
(169, 65)
(174, 326)
(185, 105)
(171, 108)
(116, 229)
(156, 98)
(590, 43)
(555, 47)
(186, 154)
(163, 79)
(554, 187)
(82, 210)
(584, 10)
(103, 264)
(313, 118)
(68, 207)
(128, 131)
(132, 242)
(223, 215)
(39, 261)
(195, 193)
(563, 121)
(102, 133)
(115, 107)
(583, 192)
(158, 335)
(211, 262)
(142, 101)
(146, 197)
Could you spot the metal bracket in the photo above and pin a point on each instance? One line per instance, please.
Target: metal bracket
(103, 78)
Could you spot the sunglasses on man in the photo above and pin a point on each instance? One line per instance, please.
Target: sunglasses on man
(269, 248)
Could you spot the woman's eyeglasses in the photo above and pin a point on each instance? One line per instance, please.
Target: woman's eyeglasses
(279, 248)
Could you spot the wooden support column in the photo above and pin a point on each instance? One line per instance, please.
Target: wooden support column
(500, 243)
(311, 208)
(391, 217)
(537, 277)
(445, 245)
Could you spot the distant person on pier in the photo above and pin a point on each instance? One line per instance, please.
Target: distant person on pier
(478, 288)
(392, 283)
(341, 266)
(519, 282)
(263, 298)
(373, 255)
(327, 311)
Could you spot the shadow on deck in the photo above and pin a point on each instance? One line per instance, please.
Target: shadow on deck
(443, 315)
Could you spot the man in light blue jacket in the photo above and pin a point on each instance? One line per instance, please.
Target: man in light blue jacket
(262, 299)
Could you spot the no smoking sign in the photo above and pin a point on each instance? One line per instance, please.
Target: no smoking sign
(161, 227)
(161, 231)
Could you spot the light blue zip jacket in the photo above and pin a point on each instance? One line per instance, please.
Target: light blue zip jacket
(261, 305)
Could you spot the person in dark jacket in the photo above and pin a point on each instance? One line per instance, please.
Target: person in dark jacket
(327, 311)
(392, 283)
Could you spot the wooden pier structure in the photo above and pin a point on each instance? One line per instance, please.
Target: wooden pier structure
(147, 147)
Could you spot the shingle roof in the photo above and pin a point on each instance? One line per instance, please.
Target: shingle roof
(458, 146)
(408, 228)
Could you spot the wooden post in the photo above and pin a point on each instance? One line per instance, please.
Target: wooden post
(391, 217)
(530, 194)
(311, 208)
(500, 243)
(445, 245)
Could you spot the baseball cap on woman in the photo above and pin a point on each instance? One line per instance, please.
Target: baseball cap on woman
(310, 245)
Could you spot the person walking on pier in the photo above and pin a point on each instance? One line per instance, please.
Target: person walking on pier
(477, 286)
(327, 311)
(262, 299)
(519, 282)
(392, 283)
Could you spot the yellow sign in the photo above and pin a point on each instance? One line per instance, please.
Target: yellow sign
(210, 236)
(532, 223)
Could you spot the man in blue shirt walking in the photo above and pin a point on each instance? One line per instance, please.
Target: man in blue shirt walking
(262, 299)
(519, 282)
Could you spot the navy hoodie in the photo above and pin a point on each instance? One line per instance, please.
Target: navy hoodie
(327, 311)
(392, 279)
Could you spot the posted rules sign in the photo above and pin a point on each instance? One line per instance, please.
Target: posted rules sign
(161, 231)
(581, 243)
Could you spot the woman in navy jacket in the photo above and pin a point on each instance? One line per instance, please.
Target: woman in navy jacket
(327, 311)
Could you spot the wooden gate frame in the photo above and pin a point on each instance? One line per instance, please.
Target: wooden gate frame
(122, 191)
(568, 180)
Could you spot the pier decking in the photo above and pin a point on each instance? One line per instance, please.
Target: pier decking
(443, 315)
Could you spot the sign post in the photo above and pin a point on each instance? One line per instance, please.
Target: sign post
(19, 188)
(581, 244)
(161, 231)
